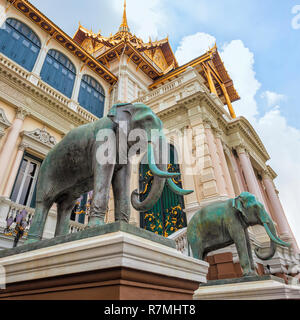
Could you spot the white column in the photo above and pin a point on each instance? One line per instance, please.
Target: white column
(35, 73)
(224, 165)
(76, 88)
(280, 217)
(215, 160)
(10, 143)
(249, 174)
(14, 170)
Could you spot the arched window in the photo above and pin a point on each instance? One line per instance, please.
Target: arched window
(19, 43)
(59, 72)
(167, 216)
(92, 96)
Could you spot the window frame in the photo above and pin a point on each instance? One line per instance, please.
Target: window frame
(32, 38)
(30, 159)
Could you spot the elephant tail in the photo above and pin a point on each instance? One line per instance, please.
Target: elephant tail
(189, 248)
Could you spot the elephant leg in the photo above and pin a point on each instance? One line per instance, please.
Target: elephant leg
(197, 250)
(38, 222)
(240, 241)
(249, 250)
(64, 210)
(102, 181)
(121, 190)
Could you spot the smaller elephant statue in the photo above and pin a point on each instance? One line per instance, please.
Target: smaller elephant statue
(223, 223)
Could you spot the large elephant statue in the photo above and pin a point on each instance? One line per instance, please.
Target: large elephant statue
(223, 223)
(73, 168)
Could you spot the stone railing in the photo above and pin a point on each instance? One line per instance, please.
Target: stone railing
(13, 70)
(10, 209)
(86, 115)
(9, 64)
(76, 227)
(52, 92)
(180, 238)
(162, 90)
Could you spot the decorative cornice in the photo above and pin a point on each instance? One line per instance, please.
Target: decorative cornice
(42, 136)
(243, 126)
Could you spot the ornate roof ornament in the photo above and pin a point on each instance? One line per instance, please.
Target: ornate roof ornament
(124, 26)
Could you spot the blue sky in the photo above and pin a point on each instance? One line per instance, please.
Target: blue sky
(263, 26)
(258, 44)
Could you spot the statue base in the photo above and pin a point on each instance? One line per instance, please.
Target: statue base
(248, 288)
(111, 262)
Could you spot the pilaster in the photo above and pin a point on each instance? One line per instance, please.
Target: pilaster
(216, 165)
(10, 144)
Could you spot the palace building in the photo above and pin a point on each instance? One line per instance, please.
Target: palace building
(51, 82)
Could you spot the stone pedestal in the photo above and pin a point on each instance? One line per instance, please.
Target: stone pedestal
(248, 288)
(116, 262)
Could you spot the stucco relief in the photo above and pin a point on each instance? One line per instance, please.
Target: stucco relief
(41, 135)
(4, 123)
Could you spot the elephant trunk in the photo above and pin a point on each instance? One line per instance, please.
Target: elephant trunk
(158, 183)
(271, 231)
(160, 174)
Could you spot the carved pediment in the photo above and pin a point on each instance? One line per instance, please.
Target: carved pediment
(3, 120)
(42, 136)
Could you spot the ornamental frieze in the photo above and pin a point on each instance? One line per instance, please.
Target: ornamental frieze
(42, 136)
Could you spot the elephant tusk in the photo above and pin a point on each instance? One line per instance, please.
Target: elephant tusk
(153, 167)
(176, 189)
(275, 239)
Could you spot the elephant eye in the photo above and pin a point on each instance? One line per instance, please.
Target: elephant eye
(148, 118)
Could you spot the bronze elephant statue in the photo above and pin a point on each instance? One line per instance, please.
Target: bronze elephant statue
(73, 168)
(223, 223)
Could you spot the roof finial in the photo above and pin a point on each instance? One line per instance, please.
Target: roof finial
(124, 25)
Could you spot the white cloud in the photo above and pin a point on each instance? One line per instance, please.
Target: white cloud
(193, 46)
(281, 140)
(272, 98)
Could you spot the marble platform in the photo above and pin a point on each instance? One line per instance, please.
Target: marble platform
(248, 288)
(117, 261)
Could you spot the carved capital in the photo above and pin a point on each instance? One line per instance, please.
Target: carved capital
(218, 133)
(22, 113)
(265, 174)
(207, 123)
(23, 146)
(241, 148)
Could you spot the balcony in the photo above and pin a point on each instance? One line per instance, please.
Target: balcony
(9, 209)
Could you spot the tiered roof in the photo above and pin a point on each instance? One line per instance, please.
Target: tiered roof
(155, 58)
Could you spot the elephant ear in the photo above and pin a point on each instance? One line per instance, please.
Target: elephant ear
(112, 114)
(238, 204)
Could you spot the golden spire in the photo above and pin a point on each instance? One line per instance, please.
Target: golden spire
(124, 26)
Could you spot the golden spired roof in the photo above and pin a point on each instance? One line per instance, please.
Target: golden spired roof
(124, 26)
